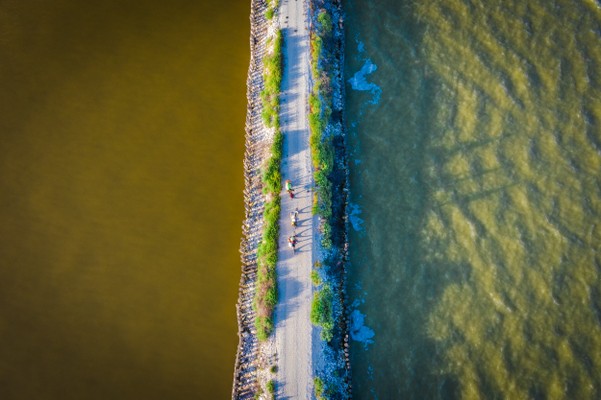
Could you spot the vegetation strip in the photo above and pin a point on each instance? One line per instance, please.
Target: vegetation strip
(328, 152)
(258, 290)
(266, 287)
(320, 106)
(251, 354)
(272, 6)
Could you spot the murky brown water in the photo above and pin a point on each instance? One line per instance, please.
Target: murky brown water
(121, 140)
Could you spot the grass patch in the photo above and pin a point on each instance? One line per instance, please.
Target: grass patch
(315, 278)
(272, 6)
(316, 49)
(325, 22)
(322, 149)
(322, 156)
(272, 81)
(269, 13)
(321, 312)
(329, 176)
(319, 388)
(266, 294)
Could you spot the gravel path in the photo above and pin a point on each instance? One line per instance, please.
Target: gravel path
(294, 332)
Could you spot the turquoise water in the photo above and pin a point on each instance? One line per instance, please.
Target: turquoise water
(475, 129)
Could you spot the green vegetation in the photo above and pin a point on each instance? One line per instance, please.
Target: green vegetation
(321, 312)
(315, 278)
(320, 110)
(272, 79)
(322, 155)
(272, 5)
(266, 295)
(325, 22)
(316, 50)
(272, 177)
(271, 387)
(319, 388)
(327, 146)
(269, 13)
(274, 369)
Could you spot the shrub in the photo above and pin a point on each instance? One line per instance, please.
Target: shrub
(321, 312)
(266, 294)
(271, 387)
(322, 149)
(322, 156)
(272, 80)
(264, 326)
(325, 22)
(269, 13)
(326, 240)
(315, 278)
(315, 204)
(319, 388)
(316, 48)
(314, 103)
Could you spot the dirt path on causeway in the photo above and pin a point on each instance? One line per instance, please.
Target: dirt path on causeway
(294, 332)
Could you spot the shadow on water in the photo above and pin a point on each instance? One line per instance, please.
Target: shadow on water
(475, 185)
(395, 216)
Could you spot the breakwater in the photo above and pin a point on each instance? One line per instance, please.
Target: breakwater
(254, 359)
(257, 141)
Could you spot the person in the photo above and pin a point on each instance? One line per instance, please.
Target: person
(289, 188)
(292, 241)
(293, 217)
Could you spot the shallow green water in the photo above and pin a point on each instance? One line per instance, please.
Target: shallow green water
(478, 177)
(121, 140)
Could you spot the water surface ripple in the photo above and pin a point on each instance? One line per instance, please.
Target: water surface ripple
(478, 179)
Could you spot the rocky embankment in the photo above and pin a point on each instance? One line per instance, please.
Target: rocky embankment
(327, 124)
(258, 142)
